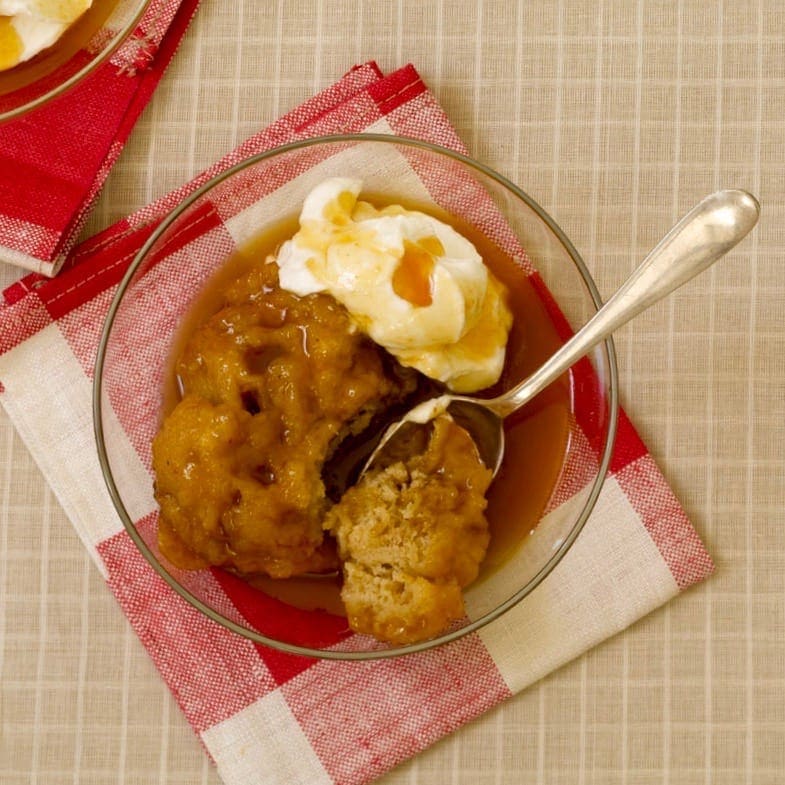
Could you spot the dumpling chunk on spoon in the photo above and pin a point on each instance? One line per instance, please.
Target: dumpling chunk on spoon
(411, 536)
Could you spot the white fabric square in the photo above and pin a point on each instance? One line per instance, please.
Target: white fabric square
(264, 743)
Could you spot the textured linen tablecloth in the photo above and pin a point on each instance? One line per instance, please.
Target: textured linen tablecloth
(616, 117)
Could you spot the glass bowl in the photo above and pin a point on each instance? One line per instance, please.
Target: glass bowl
(89, 42)
(559, 445)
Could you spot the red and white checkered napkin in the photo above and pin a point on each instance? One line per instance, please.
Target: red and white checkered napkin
(55, 159)
(267, 717)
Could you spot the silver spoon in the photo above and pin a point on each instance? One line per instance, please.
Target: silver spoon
(711, 229)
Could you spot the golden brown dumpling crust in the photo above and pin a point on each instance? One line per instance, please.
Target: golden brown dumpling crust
(411, 537)
(269, 381)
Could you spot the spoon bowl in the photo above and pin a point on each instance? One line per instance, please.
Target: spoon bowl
(703, 236)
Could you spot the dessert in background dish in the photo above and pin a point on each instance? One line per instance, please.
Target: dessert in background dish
(316, 332)
(411, 536)
(411, 282)
(28, 27)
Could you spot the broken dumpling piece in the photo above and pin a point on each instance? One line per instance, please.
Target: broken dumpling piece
(411, 536)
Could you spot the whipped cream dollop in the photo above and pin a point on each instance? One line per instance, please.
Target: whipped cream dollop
(411, 282)
(27, 27)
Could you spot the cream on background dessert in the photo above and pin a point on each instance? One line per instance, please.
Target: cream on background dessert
(410, 282)
(27, 27)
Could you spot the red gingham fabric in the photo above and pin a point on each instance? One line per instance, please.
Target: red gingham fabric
(55, 159)
(270, 718)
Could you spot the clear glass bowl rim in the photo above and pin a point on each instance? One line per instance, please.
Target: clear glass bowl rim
(338, 654)
(74, 79)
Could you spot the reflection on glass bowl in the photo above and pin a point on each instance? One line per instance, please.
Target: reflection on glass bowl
(559, 446)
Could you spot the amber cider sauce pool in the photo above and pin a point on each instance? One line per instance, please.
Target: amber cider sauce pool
(73, 40)
(536, 436)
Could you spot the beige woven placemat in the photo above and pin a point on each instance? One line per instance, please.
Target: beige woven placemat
(616, 116)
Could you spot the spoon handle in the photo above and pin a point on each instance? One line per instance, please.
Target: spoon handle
(711, 229)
